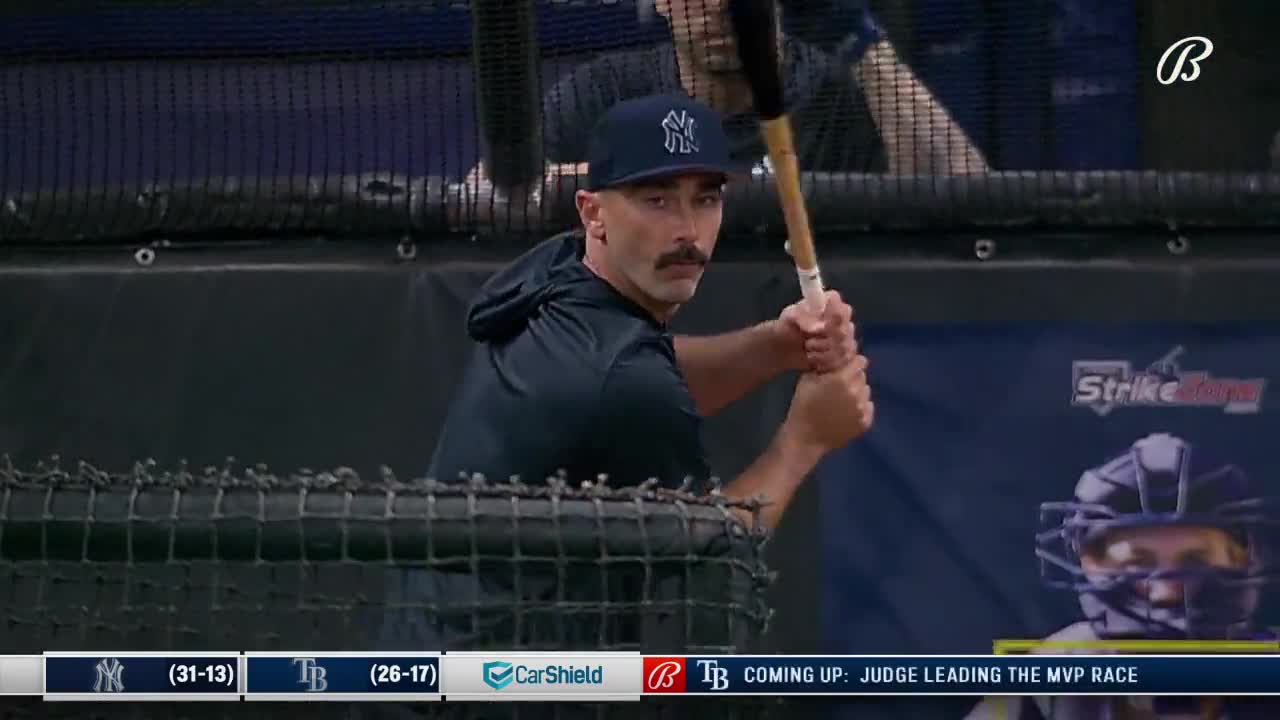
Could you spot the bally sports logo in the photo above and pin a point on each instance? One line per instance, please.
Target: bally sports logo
(1104, 385)
(664, 675)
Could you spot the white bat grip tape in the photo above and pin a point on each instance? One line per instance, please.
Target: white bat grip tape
(811, 287)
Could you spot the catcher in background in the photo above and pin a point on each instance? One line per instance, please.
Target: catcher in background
(1157, 546)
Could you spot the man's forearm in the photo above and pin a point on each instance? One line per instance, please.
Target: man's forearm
(775, 476)
(720, 369)
(920, 137)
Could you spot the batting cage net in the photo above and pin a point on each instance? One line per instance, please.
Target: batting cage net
(221, 560)
(168, 119)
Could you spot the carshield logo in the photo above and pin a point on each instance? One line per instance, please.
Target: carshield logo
(498, 674)
(538, 675)
(1104, 385)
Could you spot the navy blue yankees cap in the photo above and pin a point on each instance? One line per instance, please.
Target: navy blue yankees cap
(654, 136)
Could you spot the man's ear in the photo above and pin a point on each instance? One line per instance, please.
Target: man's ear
(591, 213)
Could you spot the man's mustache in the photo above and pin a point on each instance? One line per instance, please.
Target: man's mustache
(686, 255)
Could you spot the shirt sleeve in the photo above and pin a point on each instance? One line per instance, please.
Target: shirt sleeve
(648, 426)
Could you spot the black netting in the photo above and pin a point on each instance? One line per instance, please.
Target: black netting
(168, 119)
(222, 560)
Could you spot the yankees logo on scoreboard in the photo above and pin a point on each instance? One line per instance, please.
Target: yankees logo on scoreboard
(664, 675)
(108, 676)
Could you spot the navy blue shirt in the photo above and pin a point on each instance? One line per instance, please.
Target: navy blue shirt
(568, 375)
(830, 118)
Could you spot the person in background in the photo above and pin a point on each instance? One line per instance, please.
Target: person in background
(856, 107)
(1158, 545)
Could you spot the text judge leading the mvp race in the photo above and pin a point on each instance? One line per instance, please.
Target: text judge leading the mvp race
(574, 368)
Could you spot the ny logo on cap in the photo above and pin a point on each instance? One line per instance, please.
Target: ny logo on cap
(679, 128)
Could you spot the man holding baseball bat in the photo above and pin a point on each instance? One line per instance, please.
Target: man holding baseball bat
(575, 369)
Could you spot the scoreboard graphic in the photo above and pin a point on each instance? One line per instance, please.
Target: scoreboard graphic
(1014, 669)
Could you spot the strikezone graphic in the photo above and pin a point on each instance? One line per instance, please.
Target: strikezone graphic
(1104, 385)
(665, 675)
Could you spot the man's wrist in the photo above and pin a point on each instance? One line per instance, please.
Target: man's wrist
(797, 452)
(779, 346)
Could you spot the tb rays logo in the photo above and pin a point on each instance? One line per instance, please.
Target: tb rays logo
(311, 674)
(1104, 385)
(1202, 47)
(680, 128)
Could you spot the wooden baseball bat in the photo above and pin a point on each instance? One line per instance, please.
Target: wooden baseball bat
(754, 26)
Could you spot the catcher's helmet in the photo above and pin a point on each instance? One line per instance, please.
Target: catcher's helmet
(1156, 483)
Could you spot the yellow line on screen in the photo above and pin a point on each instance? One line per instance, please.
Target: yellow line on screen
(1015, 646)
(1009, 646)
